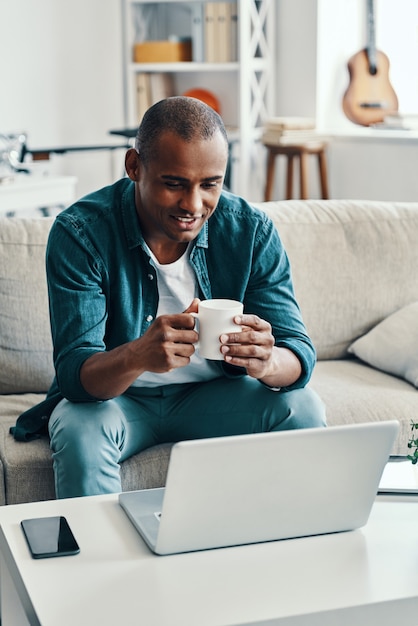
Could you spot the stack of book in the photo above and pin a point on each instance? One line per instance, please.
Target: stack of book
(399, 121)
(290, 131)
(220, 33)
(150, 88)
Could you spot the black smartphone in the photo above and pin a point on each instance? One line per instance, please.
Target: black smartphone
(49, 536)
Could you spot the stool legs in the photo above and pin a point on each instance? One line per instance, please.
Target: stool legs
(289, 176)
(303, 177)
(271, 158)
(322, 162)
(291, 152)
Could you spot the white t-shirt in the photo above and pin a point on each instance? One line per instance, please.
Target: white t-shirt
(177, 286)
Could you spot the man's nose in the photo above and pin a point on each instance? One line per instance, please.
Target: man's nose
(191, 200)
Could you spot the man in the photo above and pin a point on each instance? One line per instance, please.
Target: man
(126, 267)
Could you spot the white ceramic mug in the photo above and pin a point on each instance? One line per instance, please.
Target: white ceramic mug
(216, 317)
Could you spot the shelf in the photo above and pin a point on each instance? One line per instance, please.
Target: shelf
(374, 134)
(185, 66)
(243, 87)
(163, 1)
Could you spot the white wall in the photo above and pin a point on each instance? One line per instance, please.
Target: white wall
(296, 57)
(61, 81)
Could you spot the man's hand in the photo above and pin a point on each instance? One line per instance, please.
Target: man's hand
(167, 344)
(169, 341)
(253, 348)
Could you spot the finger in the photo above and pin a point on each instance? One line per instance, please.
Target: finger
(248, 337)
(175, 329)
(182, 336)
(248, 351)
(168, 356)
(253, 321)
(183, 350)
(181, 321)
(254, 367)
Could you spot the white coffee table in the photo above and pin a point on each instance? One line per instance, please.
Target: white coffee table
(364, 577)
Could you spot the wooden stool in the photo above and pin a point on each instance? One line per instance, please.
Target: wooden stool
(302, 151)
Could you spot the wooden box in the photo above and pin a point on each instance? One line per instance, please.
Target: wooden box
(163, 51)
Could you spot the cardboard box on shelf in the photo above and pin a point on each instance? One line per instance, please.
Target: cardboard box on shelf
(163, 51)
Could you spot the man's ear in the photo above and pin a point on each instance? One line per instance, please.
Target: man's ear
(132, 164)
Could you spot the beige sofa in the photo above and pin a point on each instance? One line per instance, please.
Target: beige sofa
(355, 272)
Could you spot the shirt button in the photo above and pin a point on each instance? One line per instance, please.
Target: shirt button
(149, 318)
(150, 277)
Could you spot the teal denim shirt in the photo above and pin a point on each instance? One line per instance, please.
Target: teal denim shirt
(103, 289)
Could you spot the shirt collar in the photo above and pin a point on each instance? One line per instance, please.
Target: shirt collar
(130, 219)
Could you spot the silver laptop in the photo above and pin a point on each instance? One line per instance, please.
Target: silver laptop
(244, 489)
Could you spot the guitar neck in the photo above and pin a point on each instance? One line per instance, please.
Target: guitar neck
(371, 38)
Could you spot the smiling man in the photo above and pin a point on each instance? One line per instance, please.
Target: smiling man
(126, 267)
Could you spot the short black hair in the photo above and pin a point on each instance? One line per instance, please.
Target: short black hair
(187, 117)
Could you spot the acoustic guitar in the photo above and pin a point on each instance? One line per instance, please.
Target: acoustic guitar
(370, 95)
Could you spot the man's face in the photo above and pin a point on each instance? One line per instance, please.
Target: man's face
(178, 190)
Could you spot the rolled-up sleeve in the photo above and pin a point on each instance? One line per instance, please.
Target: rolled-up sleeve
(78, 309)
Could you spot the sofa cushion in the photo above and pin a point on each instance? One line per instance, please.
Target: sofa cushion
(353, 392)
(392, 345)
(354, 262)
(27, 466)
(26, 347)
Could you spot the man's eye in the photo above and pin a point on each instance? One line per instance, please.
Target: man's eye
(173, 184)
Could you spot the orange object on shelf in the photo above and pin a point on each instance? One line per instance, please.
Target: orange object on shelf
(205, 96)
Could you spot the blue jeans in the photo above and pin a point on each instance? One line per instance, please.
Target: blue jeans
(89, 440)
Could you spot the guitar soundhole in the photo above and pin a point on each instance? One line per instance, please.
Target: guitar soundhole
(373, 105)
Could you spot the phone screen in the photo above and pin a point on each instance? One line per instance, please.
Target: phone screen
(49, 536)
